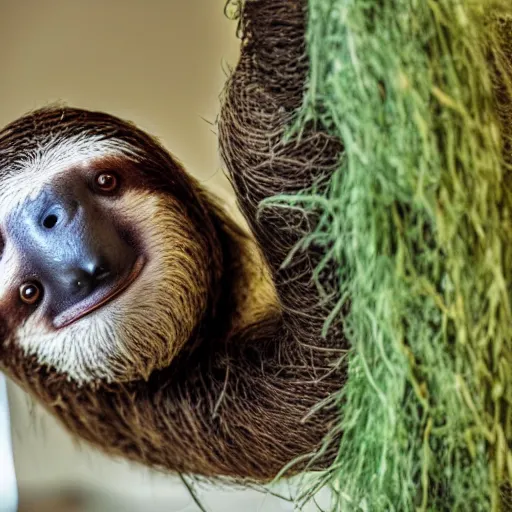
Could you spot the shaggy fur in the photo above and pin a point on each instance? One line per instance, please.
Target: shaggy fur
(238, 398)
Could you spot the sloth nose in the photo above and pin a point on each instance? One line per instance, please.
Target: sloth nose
(88, 276)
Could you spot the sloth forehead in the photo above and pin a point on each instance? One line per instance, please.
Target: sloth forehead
(25, 177)
(40, 145)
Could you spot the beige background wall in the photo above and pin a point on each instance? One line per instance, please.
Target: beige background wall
(159, 63)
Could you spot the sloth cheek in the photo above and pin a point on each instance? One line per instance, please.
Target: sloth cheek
(9, 322)
(4, 330)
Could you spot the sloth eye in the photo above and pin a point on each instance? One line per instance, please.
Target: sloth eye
(106, 182)
(30, 293)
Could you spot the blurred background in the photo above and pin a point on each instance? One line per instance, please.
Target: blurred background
(161, 64)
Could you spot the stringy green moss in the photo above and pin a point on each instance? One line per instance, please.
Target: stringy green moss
(418, 222)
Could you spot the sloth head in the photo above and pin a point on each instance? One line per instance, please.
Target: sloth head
(108, 250)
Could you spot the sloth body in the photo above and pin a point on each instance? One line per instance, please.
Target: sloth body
(156, 328)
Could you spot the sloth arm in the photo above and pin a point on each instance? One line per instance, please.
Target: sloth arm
(260, 104)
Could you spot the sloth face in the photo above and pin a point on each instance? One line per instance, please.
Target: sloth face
(103, 270)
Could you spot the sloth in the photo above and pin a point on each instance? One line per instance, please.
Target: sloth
(141, 314)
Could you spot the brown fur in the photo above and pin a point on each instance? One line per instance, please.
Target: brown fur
(238, 400)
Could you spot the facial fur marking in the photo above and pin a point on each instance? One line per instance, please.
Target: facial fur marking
(117, 342)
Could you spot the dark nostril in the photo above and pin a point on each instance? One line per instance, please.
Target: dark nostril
(50, 221)
(87, 280)
(97, 270)
(101, 272)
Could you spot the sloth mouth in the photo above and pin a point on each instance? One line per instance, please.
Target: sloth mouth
(99, 298)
